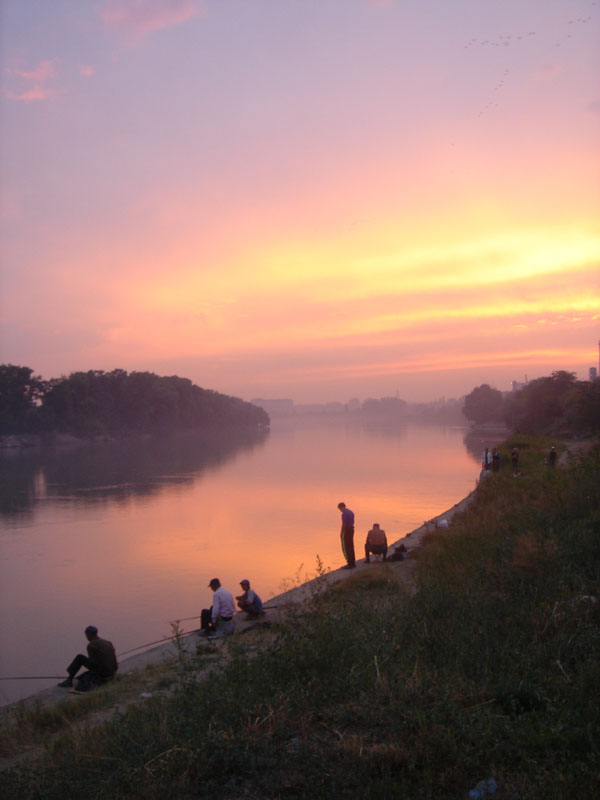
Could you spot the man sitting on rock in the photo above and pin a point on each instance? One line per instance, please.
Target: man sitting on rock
(376, 543)
(101, 663)
(249, 601)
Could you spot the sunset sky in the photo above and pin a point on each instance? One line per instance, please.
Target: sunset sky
(315, 199)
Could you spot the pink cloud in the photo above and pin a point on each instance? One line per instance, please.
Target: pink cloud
(38, 76)
(86, 70)
(35, 93)
(41, 73)
(138, 18)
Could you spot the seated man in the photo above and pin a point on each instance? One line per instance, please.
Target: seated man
(218, 620)
(101, 661)
(249, 601)
(376, 543)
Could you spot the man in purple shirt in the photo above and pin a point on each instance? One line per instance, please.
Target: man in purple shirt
(347, 536)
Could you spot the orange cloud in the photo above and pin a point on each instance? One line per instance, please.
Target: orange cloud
(139, 18)
(314, 293)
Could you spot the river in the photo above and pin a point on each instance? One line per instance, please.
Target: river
(126, 536)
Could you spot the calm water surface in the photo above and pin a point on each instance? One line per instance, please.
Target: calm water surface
(127, 537)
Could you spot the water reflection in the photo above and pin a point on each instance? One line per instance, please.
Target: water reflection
(113, 471)
(477, 440)
(127, 538)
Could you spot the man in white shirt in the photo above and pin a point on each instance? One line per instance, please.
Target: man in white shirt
(221, 612)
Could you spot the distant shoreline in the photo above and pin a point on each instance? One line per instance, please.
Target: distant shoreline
(36, 441)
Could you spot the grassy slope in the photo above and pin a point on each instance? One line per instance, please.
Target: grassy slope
(491, 669)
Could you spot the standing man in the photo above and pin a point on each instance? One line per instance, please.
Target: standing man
(101, 661)
(514, 458)
(495, 460)
(347, 536)
(486, 460)
(221, 612)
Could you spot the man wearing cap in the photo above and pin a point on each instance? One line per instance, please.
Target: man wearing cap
(101, 661)
(221, 612)
(249, 601)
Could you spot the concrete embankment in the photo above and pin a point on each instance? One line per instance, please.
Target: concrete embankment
(168, 651)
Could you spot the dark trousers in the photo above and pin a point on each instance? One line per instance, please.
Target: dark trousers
(376, 549)
(87, 680)
(205, 620)
(78, 662)
(249, 608)
(347, 537)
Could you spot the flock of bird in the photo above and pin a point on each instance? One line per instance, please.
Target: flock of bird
(510, 40)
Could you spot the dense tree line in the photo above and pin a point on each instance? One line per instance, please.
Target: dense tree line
(558, 404)
(96, 402)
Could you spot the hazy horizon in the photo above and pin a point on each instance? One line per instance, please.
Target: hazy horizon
(338, 399)
(313, 199)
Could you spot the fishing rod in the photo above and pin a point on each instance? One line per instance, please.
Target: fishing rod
(48, 677)
(158, 641)
(31, 677)
(124, 653)
(197, 616)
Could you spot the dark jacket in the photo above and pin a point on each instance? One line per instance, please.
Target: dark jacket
(103, 659)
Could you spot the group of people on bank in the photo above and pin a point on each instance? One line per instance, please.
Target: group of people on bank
(216, 621)
(490, 461)
(101, 660)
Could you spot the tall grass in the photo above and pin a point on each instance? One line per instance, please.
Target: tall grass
(490, 669)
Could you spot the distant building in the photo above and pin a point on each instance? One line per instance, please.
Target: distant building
(593, 373)
(275, 407)
(517, 386)
(353, 404)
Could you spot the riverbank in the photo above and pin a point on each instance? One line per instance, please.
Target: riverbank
(484, 665)
(169, 651)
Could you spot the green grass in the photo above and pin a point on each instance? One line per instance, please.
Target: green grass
(490, 669)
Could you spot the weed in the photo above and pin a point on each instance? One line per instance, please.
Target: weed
(490, 668)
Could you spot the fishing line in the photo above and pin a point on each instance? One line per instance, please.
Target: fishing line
(124, 653)
(31, 677)
(197, 616)
(158, 641)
